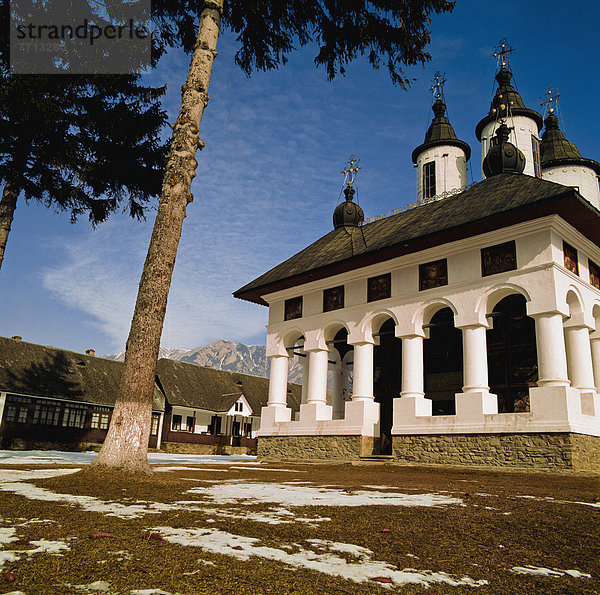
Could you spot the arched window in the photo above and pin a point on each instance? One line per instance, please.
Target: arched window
(443, 362)
(512, 354)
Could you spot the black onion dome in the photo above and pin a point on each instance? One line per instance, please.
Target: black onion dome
(555, 149)
(440, 133)
(503, 157)
(506, 102)
(348, 214)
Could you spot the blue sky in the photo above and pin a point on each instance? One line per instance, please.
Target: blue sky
(268, 180)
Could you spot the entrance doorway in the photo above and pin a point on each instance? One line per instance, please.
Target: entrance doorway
(387, 380)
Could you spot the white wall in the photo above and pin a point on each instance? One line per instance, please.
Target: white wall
(584, 178)
(450, 169)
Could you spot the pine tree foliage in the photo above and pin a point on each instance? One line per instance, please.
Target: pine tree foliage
(389, 33)
(84, 144)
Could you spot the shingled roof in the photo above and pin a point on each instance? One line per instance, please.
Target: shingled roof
(43, 371)
(190, 385)
(39, 370)
(496, 202)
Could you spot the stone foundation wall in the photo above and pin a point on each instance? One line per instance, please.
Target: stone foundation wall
(303, 448)
(539, 451)
(202, 449)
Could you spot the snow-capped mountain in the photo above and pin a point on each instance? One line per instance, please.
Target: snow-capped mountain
(225, 355)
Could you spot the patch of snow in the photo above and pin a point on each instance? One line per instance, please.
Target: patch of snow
(365, 569)
(150, 592)
(7, 534)
(295, 495)
(540, 571)
(274, 516)
(176, 468)
(267, 469)
(96, 587)
(43, 547)
(51, 457)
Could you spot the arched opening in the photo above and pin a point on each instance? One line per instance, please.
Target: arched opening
(297, 363)
(512, 354)
(387, 379)
(443, 362)
(340, 364)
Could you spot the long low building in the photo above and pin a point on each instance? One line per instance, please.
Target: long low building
(53, 398)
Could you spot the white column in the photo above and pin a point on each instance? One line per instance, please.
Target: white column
(363, 372)
(278, 381)
(412, 366)
(161, 419)
(595, 346)
(475, 369)
(305, 372)
(337, 400)
(317, 376)
(552, 358)
(579, 357)
(2, 404)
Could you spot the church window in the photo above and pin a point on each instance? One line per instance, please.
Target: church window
(433, 274)
(594, 274)
(379, 288)
(293, 308)
(190, 423)
(176, 422)
(429, 179)
(498, 259)
(570, 255)
(535, 146)
(333, 299)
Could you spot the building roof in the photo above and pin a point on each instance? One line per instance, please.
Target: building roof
(190, 385)
(496, 202)
(556, 150)
(42, 371)
(507, 102)
(440, 133)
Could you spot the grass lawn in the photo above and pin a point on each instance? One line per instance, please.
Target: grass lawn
(246, 527)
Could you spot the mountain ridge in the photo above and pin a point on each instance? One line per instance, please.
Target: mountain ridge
(227, 355)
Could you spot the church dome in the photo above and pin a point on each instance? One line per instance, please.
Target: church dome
(507, 102)
(503, 157)
(348, 213)
(440, 133)
(557, 150)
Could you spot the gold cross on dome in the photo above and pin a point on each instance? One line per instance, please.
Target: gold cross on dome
(550, 100)
(437, 88)
(350, 170)
(502, 52)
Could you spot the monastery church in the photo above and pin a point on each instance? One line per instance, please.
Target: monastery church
(464, 329)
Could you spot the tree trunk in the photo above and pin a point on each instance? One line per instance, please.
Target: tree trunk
(126, 444)
(8, 204)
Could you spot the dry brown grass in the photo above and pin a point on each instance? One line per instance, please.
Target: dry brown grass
(477, 539)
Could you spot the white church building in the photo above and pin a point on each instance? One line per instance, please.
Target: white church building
(464, 329)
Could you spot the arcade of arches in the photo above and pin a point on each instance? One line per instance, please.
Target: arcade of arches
(493, 369)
